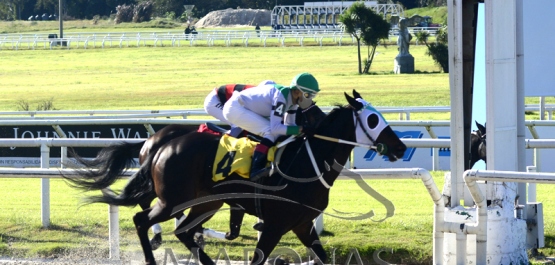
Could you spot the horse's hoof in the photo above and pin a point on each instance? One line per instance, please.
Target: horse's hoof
(156, 241)
(278, 261)
(258, 226)
(231, 236)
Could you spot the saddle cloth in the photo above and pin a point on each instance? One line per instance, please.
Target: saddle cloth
(234, 155)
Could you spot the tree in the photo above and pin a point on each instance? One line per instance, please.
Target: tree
(440, 50)
(367, 27)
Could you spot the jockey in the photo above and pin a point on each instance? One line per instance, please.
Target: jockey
(250, 110)
(214, 102)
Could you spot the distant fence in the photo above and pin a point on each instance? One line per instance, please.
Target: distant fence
(176, 39)
(291, 37)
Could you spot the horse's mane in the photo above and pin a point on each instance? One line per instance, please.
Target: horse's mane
(332, 115)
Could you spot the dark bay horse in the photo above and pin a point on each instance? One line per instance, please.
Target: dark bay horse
(112, 161)
(477, 144)
(180, 175)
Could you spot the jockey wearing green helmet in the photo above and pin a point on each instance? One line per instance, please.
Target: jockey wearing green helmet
(269, 110)
(308, 85)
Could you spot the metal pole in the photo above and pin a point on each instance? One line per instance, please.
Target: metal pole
(61, 19)
(45, 186)
(113, 227)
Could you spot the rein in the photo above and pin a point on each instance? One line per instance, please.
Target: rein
(380, 148)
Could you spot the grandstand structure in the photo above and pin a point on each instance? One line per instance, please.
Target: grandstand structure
(323, 15)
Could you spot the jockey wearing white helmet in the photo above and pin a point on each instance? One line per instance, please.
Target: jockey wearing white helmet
(251, 108)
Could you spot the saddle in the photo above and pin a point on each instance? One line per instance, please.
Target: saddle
(234, 155)
(215, 128)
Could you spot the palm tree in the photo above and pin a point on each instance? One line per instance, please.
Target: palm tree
(422, 37)
(365, 26)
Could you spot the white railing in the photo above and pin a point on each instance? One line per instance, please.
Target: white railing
(179, 38)
(404, 112)
(172, 38)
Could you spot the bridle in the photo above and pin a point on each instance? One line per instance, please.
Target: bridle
(380, 148)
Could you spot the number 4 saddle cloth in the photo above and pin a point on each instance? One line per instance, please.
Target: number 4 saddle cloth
(234, 155)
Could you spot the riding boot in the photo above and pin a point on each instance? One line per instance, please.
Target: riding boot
(259, 160)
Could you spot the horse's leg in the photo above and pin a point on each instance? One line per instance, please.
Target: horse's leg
(235, 221)
(309, 237)
(269, 238)
(186, 230)
(160, 212)
(156, 240)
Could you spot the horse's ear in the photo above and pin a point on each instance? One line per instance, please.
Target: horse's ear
(481, 127)
(355, 104)
(356, 94)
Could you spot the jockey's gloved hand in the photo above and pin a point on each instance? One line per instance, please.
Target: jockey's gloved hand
(308, 131)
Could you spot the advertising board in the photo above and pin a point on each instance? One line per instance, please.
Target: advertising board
(363, 158)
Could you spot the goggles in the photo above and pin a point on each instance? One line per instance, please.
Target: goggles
(307, 95)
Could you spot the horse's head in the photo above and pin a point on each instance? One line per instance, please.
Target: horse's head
(371, 128)
(478, 144)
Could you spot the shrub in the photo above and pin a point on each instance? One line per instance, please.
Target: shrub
(143, 12)
(96, 18)
(124, 13)
(439, 51)
(47, 104)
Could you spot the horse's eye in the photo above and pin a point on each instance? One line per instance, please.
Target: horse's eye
(373, 120)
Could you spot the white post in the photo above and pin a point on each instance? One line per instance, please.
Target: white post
(114, 231)
(506, 236)
(455, 28)
(537, 152)
(45, 186)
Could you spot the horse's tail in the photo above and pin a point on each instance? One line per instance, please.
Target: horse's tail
(108, 166)
(138, 189)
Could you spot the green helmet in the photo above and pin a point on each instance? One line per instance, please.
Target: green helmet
(306, 83)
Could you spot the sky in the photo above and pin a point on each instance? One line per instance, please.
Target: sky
(479, 97)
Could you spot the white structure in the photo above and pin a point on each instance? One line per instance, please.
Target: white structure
(316, 15)
(504, 241)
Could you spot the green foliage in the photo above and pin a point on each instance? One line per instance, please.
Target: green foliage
(439, 50)
(441, 35)
(440, 53)
(170, 15)
(124, 13)
(142, 12)
(24, 105)
(367, 27)
(422, 36)
(438, 14)
(96, 18)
